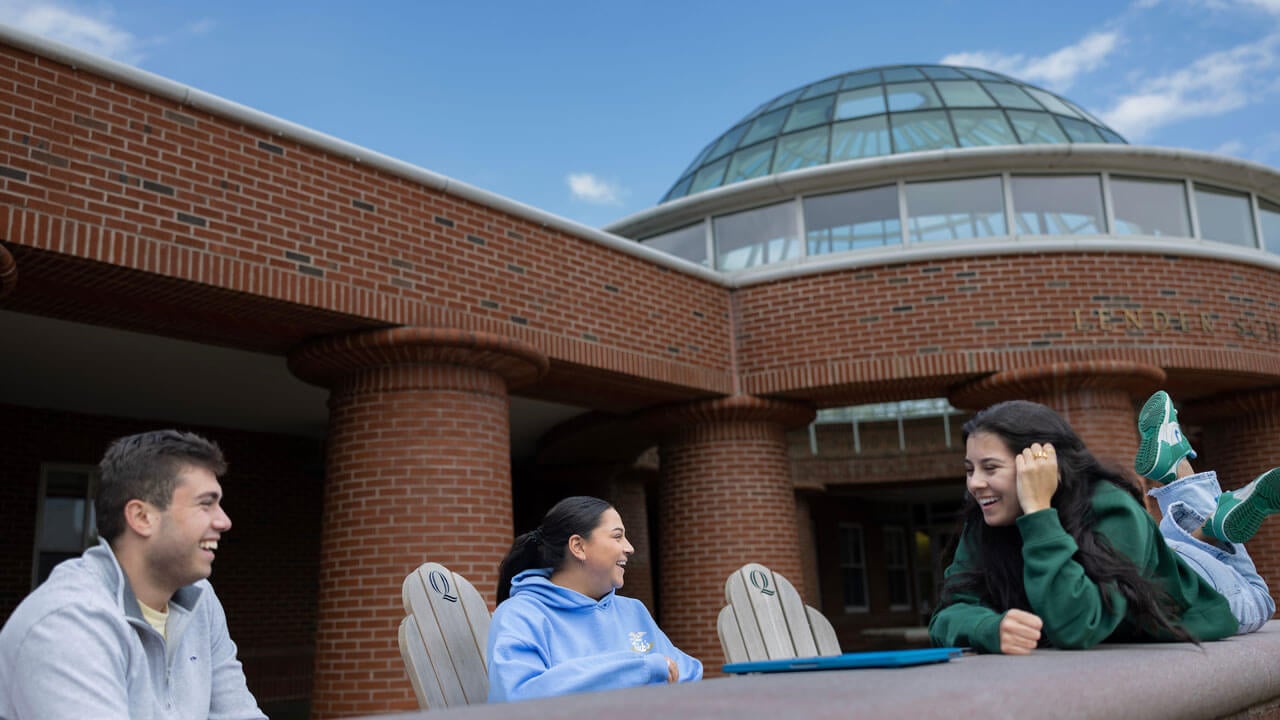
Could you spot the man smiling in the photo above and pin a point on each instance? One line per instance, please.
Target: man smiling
(132, 628)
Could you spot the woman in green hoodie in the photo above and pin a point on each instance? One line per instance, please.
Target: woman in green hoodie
(1058, 550)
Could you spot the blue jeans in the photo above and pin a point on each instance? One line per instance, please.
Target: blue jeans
(1186, 504)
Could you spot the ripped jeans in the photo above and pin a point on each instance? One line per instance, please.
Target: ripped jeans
(1186, 504)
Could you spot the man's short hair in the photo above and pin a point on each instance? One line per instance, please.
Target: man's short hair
(146, 467)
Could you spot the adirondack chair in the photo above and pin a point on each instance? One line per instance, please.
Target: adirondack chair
(443, 638)
(766, 620)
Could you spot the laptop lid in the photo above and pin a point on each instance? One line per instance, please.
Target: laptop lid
(878, 659)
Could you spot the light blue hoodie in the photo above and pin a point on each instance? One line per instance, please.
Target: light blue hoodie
(546, 640)
(77, 647)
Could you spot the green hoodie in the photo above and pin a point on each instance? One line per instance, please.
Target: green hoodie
(1069, 601)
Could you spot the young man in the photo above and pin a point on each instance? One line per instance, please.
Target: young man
(132, 628)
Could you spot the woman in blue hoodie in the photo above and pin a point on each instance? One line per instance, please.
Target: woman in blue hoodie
(559, 627)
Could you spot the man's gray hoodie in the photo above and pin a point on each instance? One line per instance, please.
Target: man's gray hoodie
(77, 647)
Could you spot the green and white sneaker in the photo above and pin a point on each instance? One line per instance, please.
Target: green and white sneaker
(1163, 445)
(1240, 512)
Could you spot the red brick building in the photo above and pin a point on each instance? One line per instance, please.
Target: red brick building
(777, 372)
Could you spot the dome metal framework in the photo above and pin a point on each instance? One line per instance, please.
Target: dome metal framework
(884, 111)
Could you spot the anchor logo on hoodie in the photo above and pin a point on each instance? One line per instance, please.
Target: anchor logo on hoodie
(638, 643)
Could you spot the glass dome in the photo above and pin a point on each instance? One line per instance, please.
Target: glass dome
(885, 111)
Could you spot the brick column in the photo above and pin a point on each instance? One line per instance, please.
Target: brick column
(1238, 440)
(1099, 398)
(726, 499)
(418, 468)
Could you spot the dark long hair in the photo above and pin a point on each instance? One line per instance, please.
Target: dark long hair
(996, 552)
(544, 546)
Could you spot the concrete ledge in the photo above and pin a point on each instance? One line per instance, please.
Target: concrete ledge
(1135, 682)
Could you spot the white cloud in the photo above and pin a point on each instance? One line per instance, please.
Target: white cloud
(1058, 70)
(203, 26)
(65, 24)
(1269, 6)
(1230, 147)
(1215, 84)
(589, 188)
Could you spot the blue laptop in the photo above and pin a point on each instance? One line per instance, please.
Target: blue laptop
(879, 659)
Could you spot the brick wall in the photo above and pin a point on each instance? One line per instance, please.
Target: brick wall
(267, 564)
(917, 329)
(94, 169)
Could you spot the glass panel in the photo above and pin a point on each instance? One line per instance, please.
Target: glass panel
(688, 242)
(1111, 137)
(1058, 205)
(942, 73)
(982, 127)
(1269, 215)
(855, 588)
(861, 79)
(1036, 127)
(765, 126)
(921, 131)
(750, 162)
(63, 529)
(786, 99)
(1050, 101)
(1150, 207)
(756, 237)
(1079, 130)
(853, 566)
(1011, 96)
(709, 176)
(850, 545)
(810, 113)
(867, 137)
(899, 588)
(802, 149)
(822, 88)
(896, 565)
(901, 74)
(698, 160)
(964, 93)
(1224, 216)
(680, 190)
(852, 220)
(727, 142)
(860, 102)
(983, 74)
(1082, 112)
(912, 96)
(955, 209)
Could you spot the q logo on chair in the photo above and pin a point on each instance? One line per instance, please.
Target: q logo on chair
(440, 584)
(760, 581)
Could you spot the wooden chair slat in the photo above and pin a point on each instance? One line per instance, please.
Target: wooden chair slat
(765, 619)
(443, 639)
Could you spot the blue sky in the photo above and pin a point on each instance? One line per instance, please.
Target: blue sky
(590, 110)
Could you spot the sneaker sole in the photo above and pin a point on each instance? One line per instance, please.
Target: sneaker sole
(1154, 414)
(1243, 520)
